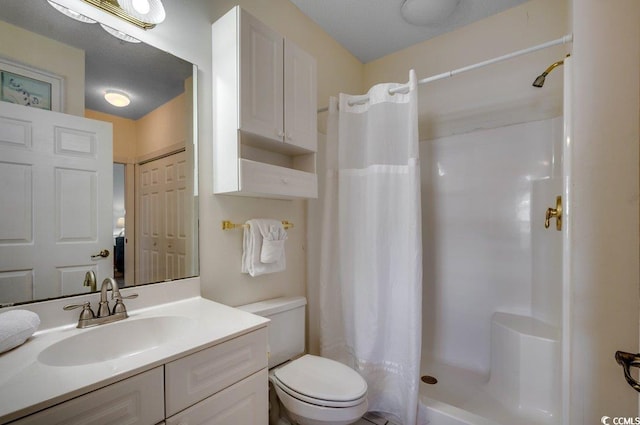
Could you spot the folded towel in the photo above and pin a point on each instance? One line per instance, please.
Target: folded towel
(16, 326)
(272, 243)
(253, 242)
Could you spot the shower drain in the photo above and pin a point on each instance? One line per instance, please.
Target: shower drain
(427, 379)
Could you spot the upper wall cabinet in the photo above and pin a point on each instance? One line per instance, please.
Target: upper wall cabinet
(265, 119)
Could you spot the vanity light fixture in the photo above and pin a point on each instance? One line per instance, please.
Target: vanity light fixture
(117, 98)
(71, 13)
(142, 13)
(117, 11)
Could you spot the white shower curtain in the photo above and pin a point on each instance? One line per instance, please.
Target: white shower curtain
(371, 248)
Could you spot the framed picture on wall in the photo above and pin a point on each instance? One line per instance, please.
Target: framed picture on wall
(24, 85)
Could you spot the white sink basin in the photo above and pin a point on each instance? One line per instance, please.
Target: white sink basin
(116, 340)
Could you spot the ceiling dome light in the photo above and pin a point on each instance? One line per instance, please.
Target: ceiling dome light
(119, 34)
(427, 12)
(117, 98)
(149, 11)
(71, 13)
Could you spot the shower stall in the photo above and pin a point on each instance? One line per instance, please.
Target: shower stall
(493, 273)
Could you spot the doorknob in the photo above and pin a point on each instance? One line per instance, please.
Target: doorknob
(102, 254)
(627, 361)
(554, 213)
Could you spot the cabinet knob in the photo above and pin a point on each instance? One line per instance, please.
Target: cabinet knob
(284, 180)
(279, 133)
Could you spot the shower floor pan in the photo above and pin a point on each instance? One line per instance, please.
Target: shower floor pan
(460, 398)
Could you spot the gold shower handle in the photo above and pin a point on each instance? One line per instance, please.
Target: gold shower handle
(554, 213)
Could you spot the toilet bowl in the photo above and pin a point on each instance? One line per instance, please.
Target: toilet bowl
(319, 391)
(312, 390)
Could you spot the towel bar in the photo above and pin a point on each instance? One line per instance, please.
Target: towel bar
(227, 225)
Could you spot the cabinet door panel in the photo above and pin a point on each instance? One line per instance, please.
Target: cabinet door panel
(244, 403)
(300, 97)
(138, 400)
(261, 83)
(195, 377)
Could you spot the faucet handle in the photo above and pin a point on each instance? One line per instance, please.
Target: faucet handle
(119, 305)
(128, 297)
(86, 312)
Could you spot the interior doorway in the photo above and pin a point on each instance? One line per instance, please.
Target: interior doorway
(119, 229)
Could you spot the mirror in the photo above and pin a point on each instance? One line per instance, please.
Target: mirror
(57, 63)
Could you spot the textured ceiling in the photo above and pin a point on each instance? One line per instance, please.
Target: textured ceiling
(150, 76)
(371, 29)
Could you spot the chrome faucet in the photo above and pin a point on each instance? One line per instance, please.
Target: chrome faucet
(105, 315)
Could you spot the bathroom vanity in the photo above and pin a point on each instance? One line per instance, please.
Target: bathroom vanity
(178, 359)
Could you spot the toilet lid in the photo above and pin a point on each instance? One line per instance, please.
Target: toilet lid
(322, 379)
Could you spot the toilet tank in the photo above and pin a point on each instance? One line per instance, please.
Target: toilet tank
(286, 329)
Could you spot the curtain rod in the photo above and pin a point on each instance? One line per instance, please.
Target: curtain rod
(562, 40)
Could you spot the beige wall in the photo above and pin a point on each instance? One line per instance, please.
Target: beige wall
(493, 96)
(48, 55)
(221, 251)
(124, 135)
(162, 128)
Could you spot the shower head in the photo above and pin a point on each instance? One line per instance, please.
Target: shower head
(539, 81)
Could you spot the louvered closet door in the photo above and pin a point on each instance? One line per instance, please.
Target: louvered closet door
(55, 202)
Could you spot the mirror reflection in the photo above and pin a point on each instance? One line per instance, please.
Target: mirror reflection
(78, 195)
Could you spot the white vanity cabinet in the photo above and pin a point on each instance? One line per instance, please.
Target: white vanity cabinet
(265, 118)
(224, 384)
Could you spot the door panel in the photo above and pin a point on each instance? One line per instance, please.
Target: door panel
(55, 202)
(261, 82)
(300, 93)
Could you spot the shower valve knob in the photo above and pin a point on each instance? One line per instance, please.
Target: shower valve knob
(554, 213)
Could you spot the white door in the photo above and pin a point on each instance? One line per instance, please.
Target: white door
(300, 93)
(164, 219)
(55, 202)
(261, 83)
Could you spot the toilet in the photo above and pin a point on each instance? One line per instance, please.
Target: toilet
(313, 390)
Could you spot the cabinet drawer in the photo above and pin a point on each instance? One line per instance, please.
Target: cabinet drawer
(262, 178)
(138, 400)
(196, 377)
(244, 403)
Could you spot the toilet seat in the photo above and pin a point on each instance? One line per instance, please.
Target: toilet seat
(321, 382)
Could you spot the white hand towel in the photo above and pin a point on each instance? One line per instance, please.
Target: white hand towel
(273, 244)
(252, 244)
(16, 326)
